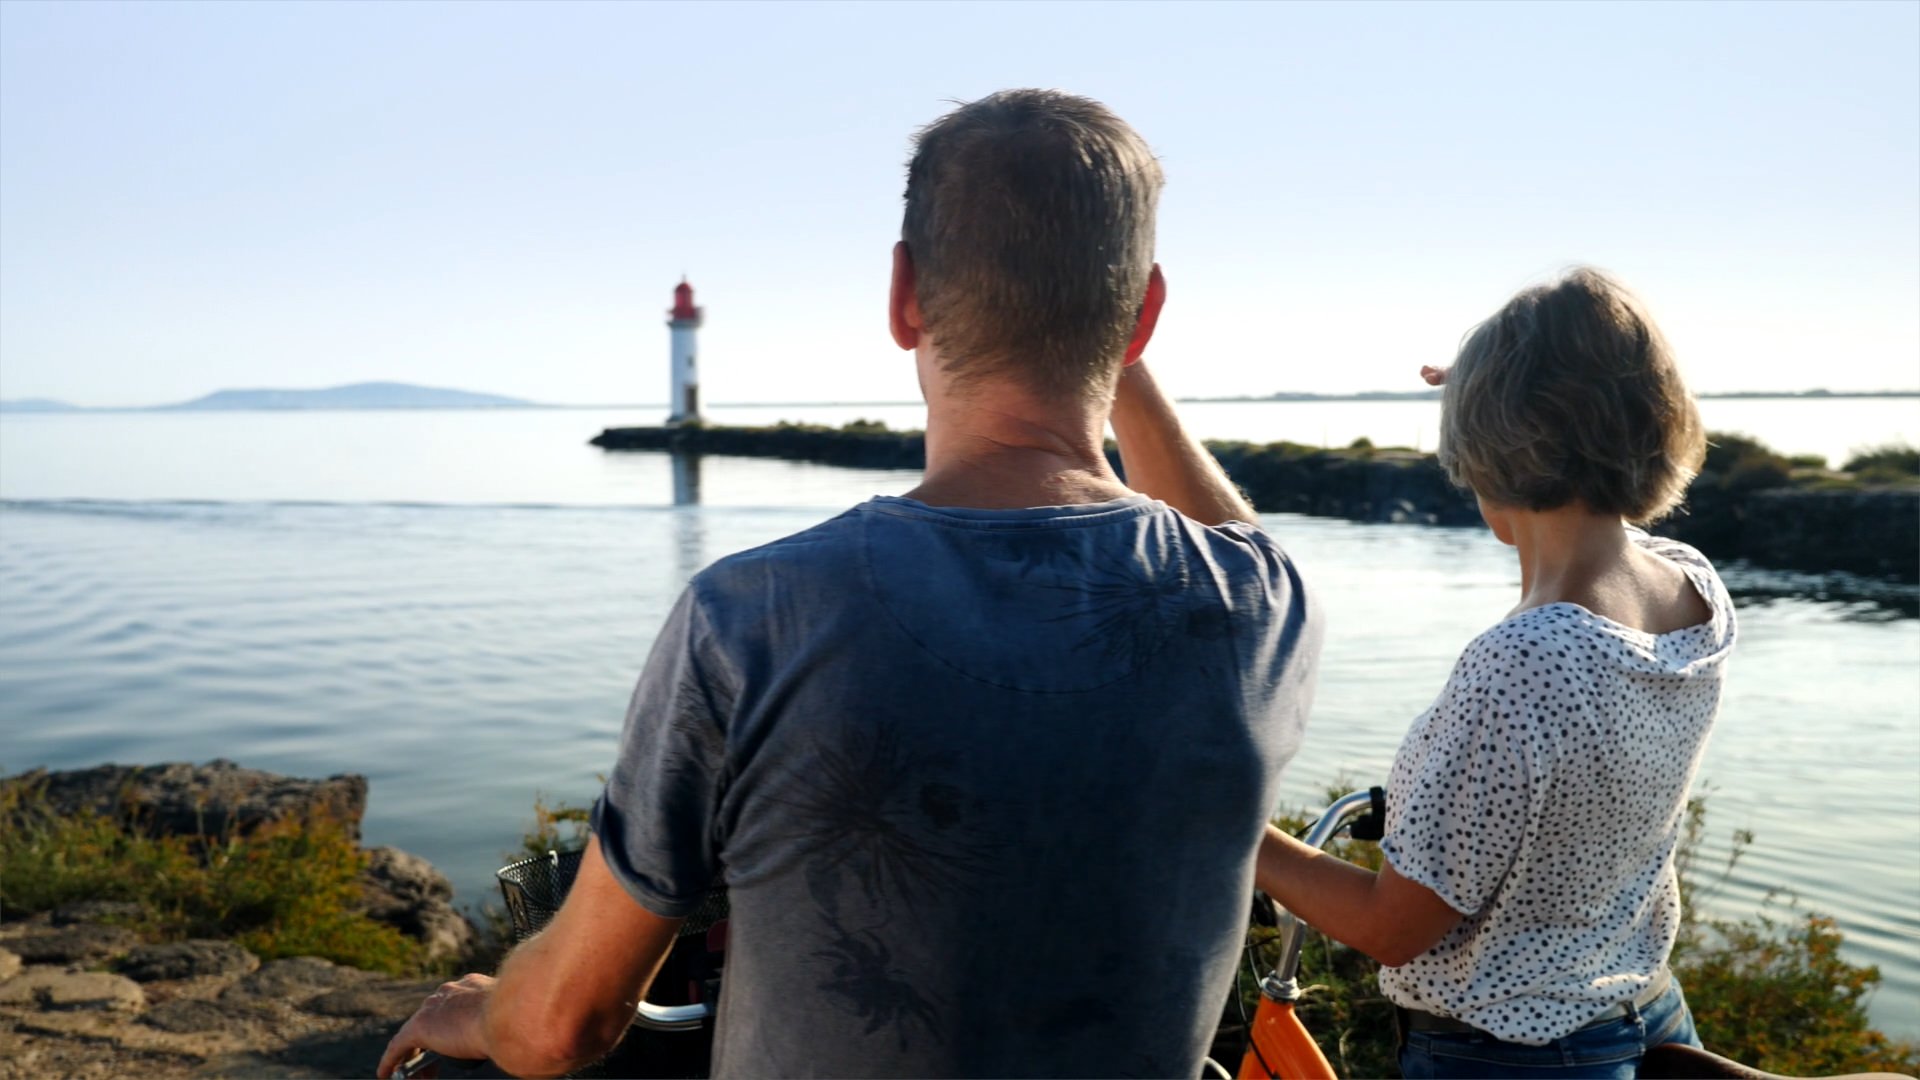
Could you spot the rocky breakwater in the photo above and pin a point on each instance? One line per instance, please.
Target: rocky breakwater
(858, 445)
(1748, 502)
(96, 986)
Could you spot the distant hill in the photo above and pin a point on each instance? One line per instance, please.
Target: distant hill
(36, 404)
(371, 395)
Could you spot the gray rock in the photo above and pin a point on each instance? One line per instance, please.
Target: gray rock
(186, 960)
(406, 892)
(382, 1000)
(73, 990)
(9, 965)
(76, 944)
(292, 980)
(186, 1016)
(86, 911)
(215, 799)
(396, 883)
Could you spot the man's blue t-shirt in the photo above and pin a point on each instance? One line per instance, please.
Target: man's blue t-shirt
(985, 785)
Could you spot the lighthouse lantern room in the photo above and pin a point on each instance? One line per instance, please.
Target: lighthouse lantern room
(685, 321)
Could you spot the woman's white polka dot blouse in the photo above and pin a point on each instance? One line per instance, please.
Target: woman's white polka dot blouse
(1541, 796)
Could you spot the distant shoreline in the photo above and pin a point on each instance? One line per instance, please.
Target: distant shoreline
(1369, 397)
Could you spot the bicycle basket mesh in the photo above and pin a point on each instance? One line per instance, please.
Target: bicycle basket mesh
(534, 889)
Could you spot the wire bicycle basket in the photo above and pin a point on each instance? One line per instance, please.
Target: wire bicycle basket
(672, 1032)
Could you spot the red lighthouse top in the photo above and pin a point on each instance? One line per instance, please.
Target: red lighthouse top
(683, 302)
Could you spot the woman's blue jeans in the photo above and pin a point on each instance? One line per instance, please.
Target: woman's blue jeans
(1611, 1049)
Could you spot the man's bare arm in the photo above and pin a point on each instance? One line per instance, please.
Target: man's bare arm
(563, 999)
(1163, 460)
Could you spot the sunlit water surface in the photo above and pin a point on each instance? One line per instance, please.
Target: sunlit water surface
(457, 604)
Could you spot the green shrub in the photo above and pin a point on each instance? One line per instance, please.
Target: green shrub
(1727, 450)
(1893, 461)
(1756, 474)
(285, 889)
(1808, 461)
(559, 827)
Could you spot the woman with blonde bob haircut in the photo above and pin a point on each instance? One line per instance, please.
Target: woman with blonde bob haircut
(1527, 902)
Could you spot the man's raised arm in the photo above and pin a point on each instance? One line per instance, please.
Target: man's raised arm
(1164, 461)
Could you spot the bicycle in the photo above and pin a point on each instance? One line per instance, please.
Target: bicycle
(1279, 1046)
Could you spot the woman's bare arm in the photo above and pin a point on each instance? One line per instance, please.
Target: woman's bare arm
(1384, 915)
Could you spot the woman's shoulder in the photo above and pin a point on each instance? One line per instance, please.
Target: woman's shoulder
(1670, 549)
(1524, 634)
(1506, 656)
(1699, 570)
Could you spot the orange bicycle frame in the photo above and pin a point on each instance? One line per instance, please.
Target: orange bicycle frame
(1279, 1048)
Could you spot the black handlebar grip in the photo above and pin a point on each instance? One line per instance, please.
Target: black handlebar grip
(1373, 824)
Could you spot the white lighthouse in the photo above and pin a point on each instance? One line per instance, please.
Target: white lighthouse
(684, 406)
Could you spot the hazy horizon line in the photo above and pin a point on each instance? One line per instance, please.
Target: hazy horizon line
(1283, 396)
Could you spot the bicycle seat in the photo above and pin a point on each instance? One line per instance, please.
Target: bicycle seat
(1674, 1061)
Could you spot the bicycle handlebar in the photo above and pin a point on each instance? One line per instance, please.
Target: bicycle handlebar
(646, 1015)
(1280, 984)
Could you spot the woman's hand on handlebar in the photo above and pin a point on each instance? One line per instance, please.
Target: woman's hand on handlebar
(451, 1023)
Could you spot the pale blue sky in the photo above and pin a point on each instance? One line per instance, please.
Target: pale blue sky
(501, 197)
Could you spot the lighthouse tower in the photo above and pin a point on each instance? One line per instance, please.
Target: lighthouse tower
(685, 324)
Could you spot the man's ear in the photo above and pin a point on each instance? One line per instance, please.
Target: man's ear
(903, 302)
(1149, 315)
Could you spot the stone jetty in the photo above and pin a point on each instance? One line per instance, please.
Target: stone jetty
(1742, 506)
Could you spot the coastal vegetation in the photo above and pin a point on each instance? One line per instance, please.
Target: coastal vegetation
(1887, 463)
(1770, 991)
(286, 888)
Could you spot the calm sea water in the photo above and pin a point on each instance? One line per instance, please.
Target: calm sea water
(456, 604)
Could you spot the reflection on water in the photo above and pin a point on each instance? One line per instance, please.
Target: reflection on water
(686, 477)
(1852, 596)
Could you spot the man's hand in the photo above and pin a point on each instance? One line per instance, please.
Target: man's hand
(1435, 376)
(563, 998)
(451, 1023)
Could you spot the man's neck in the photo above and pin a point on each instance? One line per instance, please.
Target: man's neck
(1008, 451)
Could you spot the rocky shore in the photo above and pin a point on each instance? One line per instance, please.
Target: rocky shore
(1745, 505)
(82, 994)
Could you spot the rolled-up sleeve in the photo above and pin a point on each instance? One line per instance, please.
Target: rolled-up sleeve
(656, 819)
(1459, 804)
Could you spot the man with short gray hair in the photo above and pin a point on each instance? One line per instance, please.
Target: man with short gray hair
(983, 766)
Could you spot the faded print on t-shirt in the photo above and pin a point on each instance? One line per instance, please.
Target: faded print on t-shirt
(985, 786)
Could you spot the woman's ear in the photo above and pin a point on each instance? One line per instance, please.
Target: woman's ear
(1149, 315)
(903, 303)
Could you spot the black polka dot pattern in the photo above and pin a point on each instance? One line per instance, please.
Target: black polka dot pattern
(1541, 795)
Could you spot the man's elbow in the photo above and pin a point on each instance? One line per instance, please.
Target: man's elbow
(557, 1046)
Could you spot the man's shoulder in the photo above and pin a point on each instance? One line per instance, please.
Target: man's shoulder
(783, 561)
(1242, 549)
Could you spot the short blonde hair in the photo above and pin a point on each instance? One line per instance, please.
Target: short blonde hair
(1569, 393)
